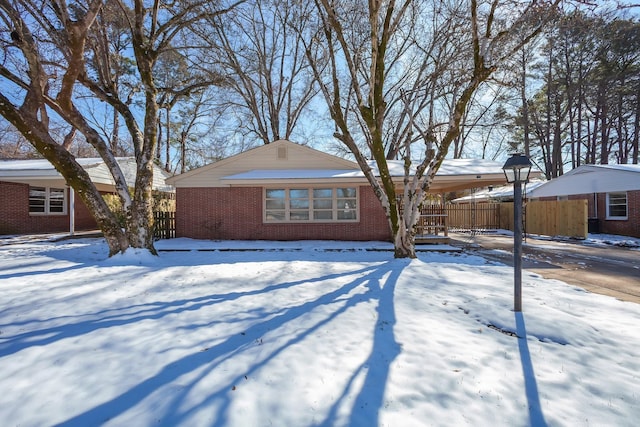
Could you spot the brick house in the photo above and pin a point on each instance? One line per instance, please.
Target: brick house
(36, 199)
(612, 193)
(286, 191)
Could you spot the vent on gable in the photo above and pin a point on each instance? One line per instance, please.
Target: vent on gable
(282, 153)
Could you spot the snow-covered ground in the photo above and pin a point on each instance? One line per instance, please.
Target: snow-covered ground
(303, 334)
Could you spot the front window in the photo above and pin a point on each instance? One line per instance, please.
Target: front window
(617, 206)
(311, 204)
(47, 201)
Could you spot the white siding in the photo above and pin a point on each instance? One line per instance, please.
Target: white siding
(277, 155)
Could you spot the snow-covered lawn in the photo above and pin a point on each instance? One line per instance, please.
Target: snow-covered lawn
(303, 334)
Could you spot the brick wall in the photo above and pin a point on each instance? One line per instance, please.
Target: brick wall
(628, 227)
(15, 218)
(236, 213)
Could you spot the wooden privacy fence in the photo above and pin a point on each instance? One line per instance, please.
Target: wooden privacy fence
(164, 225)
(550, 218)
(557, 218)
(474, 216)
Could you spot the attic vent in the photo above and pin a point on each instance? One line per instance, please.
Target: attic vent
(282, 153)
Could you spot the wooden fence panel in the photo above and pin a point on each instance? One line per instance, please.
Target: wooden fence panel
(550, 218)
(459, 216)
(164, 225)
(541, 218)
(557, 218)
(506, 216)
(480, 216)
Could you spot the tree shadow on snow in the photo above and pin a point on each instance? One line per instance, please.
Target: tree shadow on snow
(373, 284)
(385, 348)
(78, 325)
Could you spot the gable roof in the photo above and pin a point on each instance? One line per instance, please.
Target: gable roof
(42, 172)
(587, 179)
(277, 156)
(265, 166)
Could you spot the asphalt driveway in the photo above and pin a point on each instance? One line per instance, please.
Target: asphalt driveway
(608, 270)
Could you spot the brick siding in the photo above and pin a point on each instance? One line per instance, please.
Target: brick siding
(628, 227)
(235, 213)
(15, 217)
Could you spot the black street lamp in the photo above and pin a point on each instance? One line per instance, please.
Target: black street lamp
(516, 170)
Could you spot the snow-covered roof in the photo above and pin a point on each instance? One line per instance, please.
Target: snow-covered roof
(628, 168)
(453, 174)
(587, 179)
(450, 167)
(43, 166)
(42, 170)
(267, 174)
(504, 192)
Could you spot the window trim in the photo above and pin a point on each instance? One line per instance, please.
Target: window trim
(47, 201)
(310, 209)
(626, 206)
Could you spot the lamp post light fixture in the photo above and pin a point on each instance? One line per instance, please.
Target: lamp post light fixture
(516, 170)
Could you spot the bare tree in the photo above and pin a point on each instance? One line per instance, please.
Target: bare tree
(268, 86)
(425, 60)
(13, 145)
(57, 53)
(36, 78)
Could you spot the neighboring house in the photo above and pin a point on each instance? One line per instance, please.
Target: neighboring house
(498, 194)
(285, 191)
(612, 192)
(36, 199)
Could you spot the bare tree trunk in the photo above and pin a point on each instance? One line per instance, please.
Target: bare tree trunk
(114, 133)
(183, 151)
(548, 160)
(76, 177)
(68, 139)
(580, 107)
(604, 134)
(76, 38)
(160, 138)
(636, 127)
(167, 161)
(525, 106)
(363, 71)
(623, 152)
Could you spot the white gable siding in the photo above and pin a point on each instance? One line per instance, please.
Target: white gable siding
(275, 156)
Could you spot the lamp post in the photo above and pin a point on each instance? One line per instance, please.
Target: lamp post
(516, 170)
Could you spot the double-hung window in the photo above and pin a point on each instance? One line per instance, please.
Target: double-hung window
(617, 206)
(47, 201)
(323, 204)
